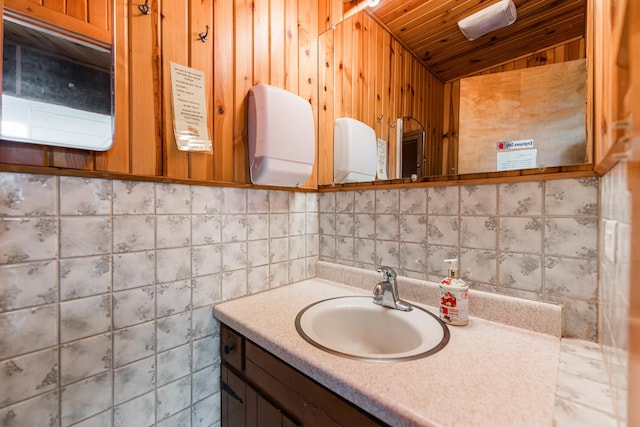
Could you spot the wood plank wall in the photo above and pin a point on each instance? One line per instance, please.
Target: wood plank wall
(368, 75)
(249, 42)
(566, 52)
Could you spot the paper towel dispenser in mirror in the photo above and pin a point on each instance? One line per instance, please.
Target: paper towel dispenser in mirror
(55, 90)
(281, 137)
(354, 151)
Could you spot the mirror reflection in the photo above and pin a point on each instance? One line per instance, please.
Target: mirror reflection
(429, 123)
(411, 143)
(55, 90)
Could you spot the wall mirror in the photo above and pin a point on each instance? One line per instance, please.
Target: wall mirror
(56, 90)
(392, 61)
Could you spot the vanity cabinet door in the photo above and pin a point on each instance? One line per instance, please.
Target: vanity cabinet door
(259, 389)
(233, 399)
(243, 406)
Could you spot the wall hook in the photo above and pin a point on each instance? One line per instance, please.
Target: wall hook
(145, 8)
(203, 36)
(379, 118)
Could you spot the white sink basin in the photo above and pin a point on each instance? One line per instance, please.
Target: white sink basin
(356, 327)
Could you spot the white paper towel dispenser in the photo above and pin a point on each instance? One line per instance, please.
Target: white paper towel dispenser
(281, 137)
(354, 151)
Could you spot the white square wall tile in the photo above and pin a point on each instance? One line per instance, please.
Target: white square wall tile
(84, 317)
(27, 330)
(257, 226)
(140, 411)
(206, 351)
(520, 198)
(572, 278)
(312, 200)
(297, 202)
(278, 201)
(173, 231)
(234, 228)
(520, 271)
(206, 229)
(103, 419)
(478, 232)
(234, 256)
(134, 343)
(83, 277)
(27, 376)
(39, 411)
(173, 198)
(206, 260)
(28, 195)
(205, 411)
(174, 364)
(443, 200)
(413, 201)
(182, 418)
(234, 284)
(327, 202)
(201, 384)
(575, 197)
(234, 200)
(85, 398)
(413, 228)
(173, 297)
(572, 237)
(25, 285)
(203, 323)
(478, 199)
(521, 234)
(173, 398)
(133, 233)
(85, 358)
(345, 202)
(258, 252)
(173, 331)
(85, 196)
(84, 236)
(278, 274)
(205, 200)
(206, 290)
(133, 306)
(133, 197)
(23, 240)
(173, 264)
(478, 266)
(132, 270)
(257, 279)
(258, 201)
(387, 201)
(134, 380)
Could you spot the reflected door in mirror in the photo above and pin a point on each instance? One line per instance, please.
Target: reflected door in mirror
(412, 160)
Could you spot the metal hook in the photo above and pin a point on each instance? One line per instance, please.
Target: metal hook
(145, 8)
(203, 36)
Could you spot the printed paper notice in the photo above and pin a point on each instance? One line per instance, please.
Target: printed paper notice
(517, 159)
(189, 109)
(382, 159)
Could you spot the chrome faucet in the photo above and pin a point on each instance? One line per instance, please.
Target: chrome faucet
(386, 292)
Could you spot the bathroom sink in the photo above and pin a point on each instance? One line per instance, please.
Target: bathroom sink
(356, 327)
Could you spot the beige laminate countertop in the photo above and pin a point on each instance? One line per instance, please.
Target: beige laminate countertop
(489, 374)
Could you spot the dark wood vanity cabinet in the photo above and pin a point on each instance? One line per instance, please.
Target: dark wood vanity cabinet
(258, 389)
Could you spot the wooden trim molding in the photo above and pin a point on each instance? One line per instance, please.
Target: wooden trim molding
(527, 175)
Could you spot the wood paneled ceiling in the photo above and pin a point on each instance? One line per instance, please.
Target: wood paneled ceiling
(429, 28)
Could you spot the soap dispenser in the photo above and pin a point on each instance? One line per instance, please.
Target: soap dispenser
(454, 296)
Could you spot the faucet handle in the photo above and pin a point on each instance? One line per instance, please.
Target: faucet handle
(387, 272)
